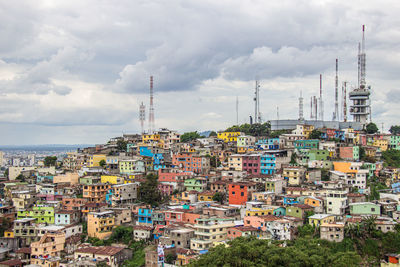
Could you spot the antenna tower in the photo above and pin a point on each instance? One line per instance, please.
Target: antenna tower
(142, 116)
(257, 115)
(336, 113)
(301, 114)
(362, 60)
(151, 113)
(321, 103)
(344, 93)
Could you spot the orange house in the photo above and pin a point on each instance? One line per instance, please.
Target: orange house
(240, 193)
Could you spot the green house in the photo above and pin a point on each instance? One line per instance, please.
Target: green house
(198, 184)
(298, 210)
(41, 214)
(365, 208)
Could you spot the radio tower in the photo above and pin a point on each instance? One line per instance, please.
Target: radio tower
(257, 115)
(142, 116)
(151, 113)
(321, 102)
(301, 113)
(336, 113)
(344, 93)
(361, 104)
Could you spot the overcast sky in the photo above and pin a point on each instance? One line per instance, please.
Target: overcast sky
(76, 71)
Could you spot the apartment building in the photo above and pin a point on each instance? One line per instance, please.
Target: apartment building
(100, 224)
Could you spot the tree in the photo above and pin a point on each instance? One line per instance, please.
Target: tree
(219, 197)
(324, 174)
(20, 178)
(371, 128)
(315, 134)
(395, 129)
(50, 161)
(102, 163)
(212, 133)
(214, 162)
(6, 173)
(255, 129)
(121, 145)
(170, 258)
(148, 190)
(362, 154)
(190, 136)
(392, 157)
(293, 158)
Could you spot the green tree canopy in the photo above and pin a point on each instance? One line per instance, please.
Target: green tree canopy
(213, 133)
(190, 136)
(148, 190)
(255, 129)
(50, 161)
(395, 129)
(256, 252)
(315, 134)
(121, 145)
(102, 163)
(392, 157)
(371, 128)
(219, 197)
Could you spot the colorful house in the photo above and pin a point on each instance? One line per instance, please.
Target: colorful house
(41, 214)
(229, 136)
(240, 193)
(365, 208)
(100, 224)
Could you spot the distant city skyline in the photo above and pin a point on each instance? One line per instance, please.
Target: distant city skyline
(76, 72)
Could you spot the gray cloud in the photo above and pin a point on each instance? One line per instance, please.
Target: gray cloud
(88, 63)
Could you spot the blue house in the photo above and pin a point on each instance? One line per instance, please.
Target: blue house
(268, 163)
(144, 216)
(290, 200)
(273, 143)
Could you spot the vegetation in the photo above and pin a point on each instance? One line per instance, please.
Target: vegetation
(50, 161)
(315, 134)
(324, 174)
(363, 245)
(256, 129)
(214, 161)
(371, 128)
(148, 190)
(300, 252)
(121, 145)
(395, 129)
(102, 163)
(170, 258)
(5, 225)
(219, 197)
(293, 158)
(375, 187)
(20, 178)
(138, 258)
(392, 157)
(212, 133)
(190, 136)
(277, 133)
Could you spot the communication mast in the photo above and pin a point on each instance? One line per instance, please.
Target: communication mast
(142, 116)
(321, 103)
(301, 114)
(336, 113)
(344, 94)
(151, 113)
(257, 115)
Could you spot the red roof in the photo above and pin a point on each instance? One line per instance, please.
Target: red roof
(109, 251)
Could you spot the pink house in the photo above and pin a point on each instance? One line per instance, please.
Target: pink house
(172, 175)
(251, 163)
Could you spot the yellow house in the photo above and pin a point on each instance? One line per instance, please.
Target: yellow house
(318, 219)
(229, 136)
(112, 179)
(294, 175)
(100, 224)
(235, 162)
(345, 167)
(205, 196)
(94, 160)
(50, 245)
(260, 211)
(381, 143)
(150, 137)
(9, 233)
(241, 149)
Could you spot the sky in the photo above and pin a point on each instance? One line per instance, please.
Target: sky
(75, 72)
